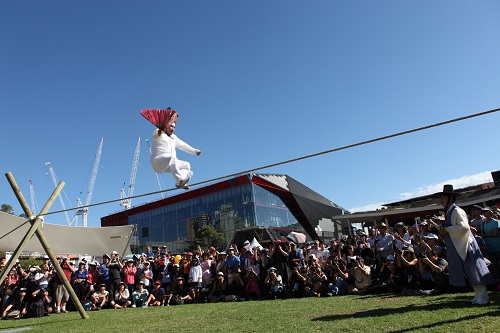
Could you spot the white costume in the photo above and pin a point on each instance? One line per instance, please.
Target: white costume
(164, 159)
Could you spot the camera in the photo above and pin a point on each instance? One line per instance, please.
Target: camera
(422, 255)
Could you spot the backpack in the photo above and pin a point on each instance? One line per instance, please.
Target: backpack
(36, 309)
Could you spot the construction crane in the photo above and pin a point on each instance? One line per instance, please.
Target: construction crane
(127, 200)
(56, 181)
(157, 176)
(34, 203)
(83, 212)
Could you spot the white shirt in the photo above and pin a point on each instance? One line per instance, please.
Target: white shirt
(195, 273)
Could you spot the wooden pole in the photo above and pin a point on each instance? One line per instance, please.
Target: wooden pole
(35, 223)
(46, 246)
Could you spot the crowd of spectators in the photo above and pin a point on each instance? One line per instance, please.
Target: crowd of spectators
(403, 259)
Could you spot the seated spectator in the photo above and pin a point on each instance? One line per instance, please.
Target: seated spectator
(156, 296)
(100, 298)
(297, 281)
(7, 294)
(167, 296)
(140, 295)
(122, 296)
(235, 284)
(434, 273)
(252, 288)
(273, 284)
(17, 307)
(337, 274)
(430, 243)
(218, 291)
(408, 263)
(391, 276)
(181, 295)
(319, 281)
(38, 306)
(361, 275)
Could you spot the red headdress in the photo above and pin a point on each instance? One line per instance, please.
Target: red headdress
(160, 118)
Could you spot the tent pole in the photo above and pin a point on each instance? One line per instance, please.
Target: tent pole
(46, 246)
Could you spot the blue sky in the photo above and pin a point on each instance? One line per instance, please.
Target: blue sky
(254, 82)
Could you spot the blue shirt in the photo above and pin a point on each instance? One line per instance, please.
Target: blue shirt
(103, 269)
(233, 262)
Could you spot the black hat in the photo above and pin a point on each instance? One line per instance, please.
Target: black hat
(448, 190)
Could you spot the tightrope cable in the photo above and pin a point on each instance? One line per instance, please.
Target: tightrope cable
(291, 160)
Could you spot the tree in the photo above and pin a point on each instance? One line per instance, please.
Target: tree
(7, 209)
(207, 236)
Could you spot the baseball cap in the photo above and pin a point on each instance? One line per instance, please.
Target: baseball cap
(431, 236)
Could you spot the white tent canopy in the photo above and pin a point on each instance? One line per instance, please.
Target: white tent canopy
(65, 239)
(255, 243)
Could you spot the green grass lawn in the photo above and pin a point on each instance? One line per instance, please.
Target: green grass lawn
(372, 313)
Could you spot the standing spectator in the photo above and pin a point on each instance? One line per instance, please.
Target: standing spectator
(206, 264)
(384, 242)
(477, 216)
(372, 237)
(463, 254)
(401, 236)
(61, 293)
(129, 272)
(233, 260)
(195, 280)
(115, 267)
(104, 270)
(362, 243)
(146, 277)
(42, 277)
(279, 254)
(489, 232)
(315, 249)
(92, 278)
(79, 280)
(322, 253)
(295, 256)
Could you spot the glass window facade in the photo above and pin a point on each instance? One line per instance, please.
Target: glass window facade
(228, 210)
